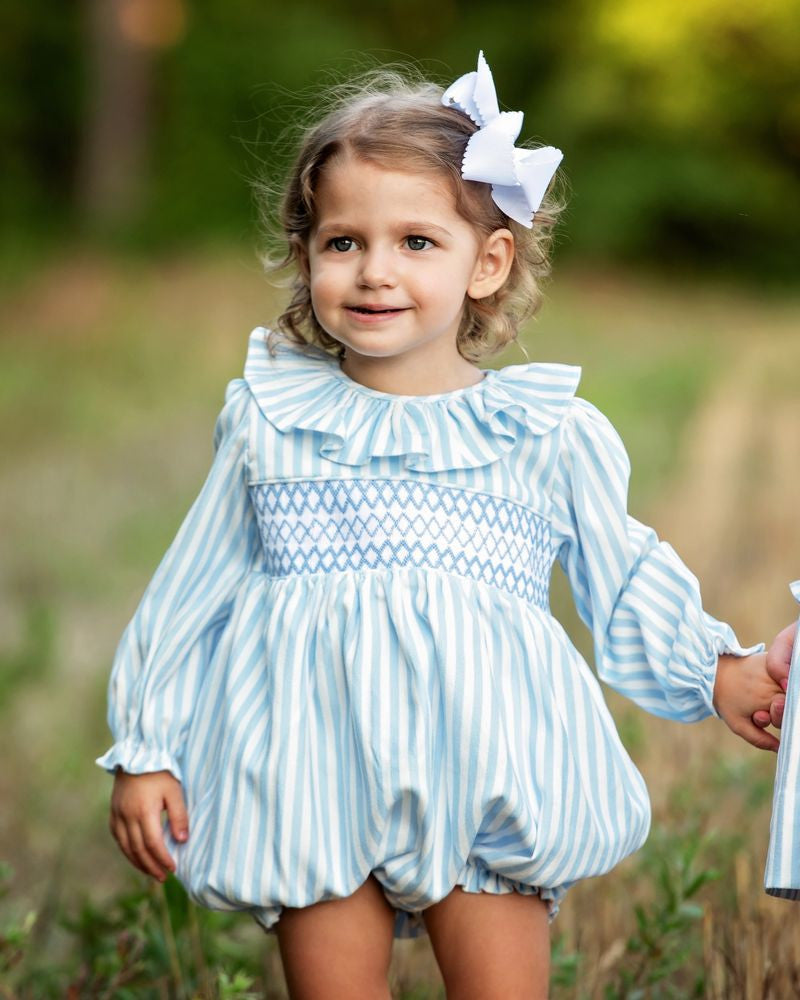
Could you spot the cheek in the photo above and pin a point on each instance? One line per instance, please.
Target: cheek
(321, 286)
(326, 280)
(443, 291)
(323, 302)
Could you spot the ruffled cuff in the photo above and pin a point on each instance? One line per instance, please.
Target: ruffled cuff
(137, 758)
(723, 641)
(661, 648)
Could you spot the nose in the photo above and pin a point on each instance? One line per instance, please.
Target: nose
(377, 268)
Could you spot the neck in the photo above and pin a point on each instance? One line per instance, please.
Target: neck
(409, 377)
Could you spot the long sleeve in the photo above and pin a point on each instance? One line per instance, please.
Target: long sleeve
(653, 642)
(166, 647)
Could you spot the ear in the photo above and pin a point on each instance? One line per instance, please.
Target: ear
(493, 264)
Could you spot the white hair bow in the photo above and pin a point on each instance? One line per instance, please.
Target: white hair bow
(519, 177)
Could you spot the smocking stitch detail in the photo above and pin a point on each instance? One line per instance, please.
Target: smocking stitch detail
(327, 526)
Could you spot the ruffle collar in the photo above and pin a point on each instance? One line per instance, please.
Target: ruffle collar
(303, 387)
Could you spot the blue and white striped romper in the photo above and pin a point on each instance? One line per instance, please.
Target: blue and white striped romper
(348, 659)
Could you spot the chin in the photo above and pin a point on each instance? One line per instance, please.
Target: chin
(375, 346)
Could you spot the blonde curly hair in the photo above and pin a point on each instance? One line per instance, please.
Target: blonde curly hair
(385, 118)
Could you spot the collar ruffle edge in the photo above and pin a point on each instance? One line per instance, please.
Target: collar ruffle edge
(303, 388)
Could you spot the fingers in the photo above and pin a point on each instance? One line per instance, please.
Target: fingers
(122, 835)
(776, 710)
(774, 717)
(779, 655)
(153, 837)
(176, 813)
(755, 736)
(141, 839)
(135, 823)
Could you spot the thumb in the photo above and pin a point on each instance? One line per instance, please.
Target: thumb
(762, 718)
(176, 812)
(779, 655)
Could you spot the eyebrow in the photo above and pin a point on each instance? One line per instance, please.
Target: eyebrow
(405, 227)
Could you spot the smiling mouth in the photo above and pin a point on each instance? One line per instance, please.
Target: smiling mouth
(365, 311)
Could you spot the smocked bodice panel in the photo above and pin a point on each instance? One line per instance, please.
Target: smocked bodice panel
(345, 525)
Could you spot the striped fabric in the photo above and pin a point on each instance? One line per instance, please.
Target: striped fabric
(782, 873)
(347, 655)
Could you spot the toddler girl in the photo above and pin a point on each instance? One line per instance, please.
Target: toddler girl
(344, 683)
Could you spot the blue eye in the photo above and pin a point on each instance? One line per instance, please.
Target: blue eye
(341, 243)
(417, 242)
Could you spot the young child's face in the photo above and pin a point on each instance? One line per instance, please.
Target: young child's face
(390, 261)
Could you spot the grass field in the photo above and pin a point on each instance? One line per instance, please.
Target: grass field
(111, 375)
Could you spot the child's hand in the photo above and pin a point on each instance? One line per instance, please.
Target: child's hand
(744, 688)
(779, 658)
(136, 804)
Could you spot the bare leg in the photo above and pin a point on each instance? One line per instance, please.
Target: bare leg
(339, 947)
(491, 947)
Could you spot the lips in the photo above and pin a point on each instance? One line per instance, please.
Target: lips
(375, 310)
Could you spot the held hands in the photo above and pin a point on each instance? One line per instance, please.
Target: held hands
(136, 804)
(749, 690)
(779, 657)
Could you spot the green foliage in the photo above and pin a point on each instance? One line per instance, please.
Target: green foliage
(151, 941)
(564, 965)
(680, 124)
(40, 109)
(14, 933)
(145, 943)
(665, 942)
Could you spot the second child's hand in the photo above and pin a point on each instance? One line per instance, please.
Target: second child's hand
(137, 802)
(779, 658)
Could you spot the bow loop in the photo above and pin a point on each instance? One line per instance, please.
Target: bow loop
(519, 177)
(474, 94)
(491, 150)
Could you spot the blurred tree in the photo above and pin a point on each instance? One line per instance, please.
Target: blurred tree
(40, 97)
(116, 124)
(680, 122)
(684, 124)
